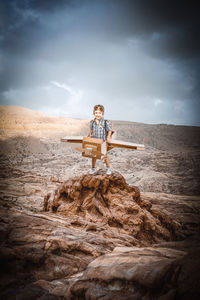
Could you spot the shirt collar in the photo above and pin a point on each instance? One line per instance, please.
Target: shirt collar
(100, 121)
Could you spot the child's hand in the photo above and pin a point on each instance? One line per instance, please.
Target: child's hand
(108, 140)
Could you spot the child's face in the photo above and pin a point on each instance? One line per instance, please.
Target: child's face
(98, 114)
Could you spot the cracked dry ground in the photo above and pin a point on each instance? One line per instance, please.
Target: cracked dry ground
(94, 237)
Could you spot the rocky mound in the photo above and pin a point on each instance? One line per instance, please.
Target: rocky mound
(109, 205)
(96, 240)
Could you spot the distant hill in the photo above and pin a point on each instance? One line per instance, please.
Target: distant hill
(159, 136)
(23, 119)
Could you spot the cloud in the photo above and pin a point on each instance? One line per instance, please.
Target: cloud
(68, 88)
(128, 55)
(157, 102)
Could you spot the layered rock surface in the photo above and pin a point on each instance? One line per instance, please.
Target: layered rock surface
(99, 237)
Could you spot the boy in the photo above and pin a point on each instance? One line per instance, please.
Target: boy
(100, 129)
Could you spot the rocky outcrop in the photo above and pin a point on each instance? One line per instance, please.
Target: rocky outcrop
(98, 239)
(110, 208)
(109, 205)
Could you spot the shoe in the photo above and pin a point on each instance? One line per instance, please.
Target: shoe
(92, 171)
(108, 171)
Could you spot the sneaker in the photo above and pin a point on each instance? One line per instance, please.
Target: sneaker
(108, 171)
(92, 171)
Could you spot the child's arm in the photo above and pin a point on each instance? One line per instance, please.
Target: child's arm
(91, 132)
(108, 136)
(91, 128)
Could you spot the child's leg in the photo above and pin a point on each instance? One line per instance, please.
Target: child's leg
(108, 172)
(107, 162)
(94, 162)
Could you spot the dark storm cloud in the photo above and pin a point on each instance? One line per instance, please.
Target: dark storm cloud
(20, 21)
(176, 21)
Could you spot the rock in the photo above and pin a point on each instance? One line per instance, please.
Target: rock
(109, 201)
(143, 268)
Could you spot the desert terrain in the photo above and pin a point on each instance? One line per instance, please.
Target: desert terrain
(68, 235)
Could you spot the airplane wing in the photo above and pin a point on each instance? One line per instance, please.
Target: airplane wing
(72, 139)
(124, 145)
(111, 145)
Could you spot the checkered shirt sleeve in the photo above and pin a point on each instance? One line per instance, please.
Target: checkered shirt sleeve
(108, 126)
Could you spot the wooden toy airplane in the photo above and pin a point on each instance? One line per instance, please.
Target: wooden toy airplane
(97, 148)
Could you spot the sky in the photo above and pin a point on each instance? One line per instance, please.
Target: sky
(139, 58)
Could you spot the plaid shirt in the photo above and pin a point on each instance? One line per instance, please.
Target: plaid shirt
(101, 129)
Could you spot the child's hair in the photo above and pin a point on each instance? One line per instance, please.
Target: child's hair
(100, 107)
